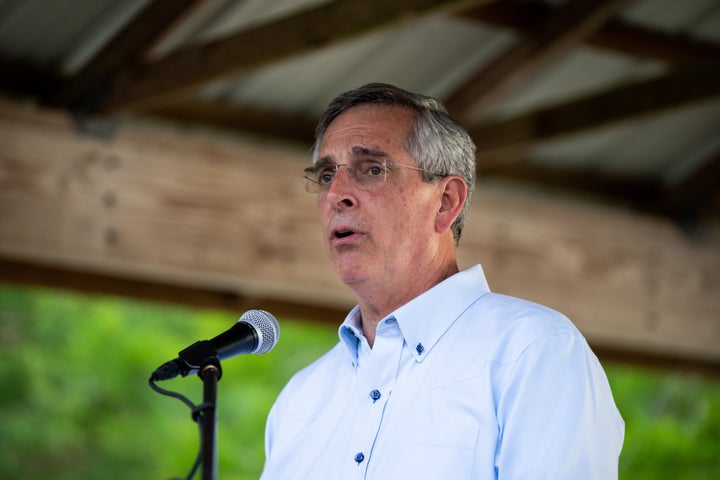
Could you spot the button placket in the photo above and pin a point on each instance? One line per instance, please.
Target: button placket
(378, 373)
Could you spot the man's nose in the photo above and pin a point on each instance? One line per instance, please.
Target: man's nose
(342, 188)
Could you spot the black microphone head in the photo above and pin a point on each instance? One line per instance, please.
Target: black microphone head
(266, 326)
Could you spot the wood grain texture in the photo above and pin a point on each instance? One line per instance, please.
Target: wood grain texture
(228, 217)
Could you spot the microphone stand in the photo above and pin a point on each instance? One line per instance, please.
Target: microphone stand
(201, 357)
(210, 373)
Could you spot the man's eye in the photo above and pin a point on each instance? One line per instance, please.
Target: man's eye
(372, 169)
(325, 174)
(325, 177)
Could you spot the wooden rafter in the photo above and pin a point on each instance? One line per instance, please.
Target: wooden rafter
(575, 21)
(684, 86)
(124, 52)
(20, 78)
(693, 198)
(163, 81)
(632, 192)
(615, 35)
(243, 118)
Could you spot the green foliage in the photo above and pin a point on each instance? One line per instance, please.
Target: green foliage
(76, 405)
(672, 424)
(75, 400)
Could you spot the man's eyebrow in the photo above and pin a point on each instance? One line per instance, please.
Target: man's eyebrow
(359, 151)
(323, 161)
(356, 151)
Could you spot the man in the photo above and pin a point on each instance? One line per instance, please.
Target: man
(434, 376)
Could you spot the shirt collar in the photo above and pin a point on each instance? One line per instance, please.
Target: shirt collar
(350, 332)
(425, 319)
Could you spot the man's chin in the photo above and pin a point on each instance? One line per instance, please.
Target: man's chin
(350, 272)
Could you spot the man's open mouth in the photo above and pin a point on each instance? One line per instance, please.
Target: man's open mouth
(343, 233)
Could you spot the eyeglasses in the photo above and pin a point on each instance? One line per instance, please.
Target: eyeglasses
(367, 174)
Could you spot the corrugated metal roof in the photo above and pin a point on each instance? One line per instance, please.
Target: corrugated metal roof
(433, 54)
(61, 35)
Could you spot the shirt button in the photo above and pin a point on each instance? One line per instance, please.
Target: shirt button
(359, 457)
(420, 349)
(375, 395)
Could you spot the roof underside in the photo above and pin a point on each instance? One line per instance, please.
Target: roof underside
(616, 99)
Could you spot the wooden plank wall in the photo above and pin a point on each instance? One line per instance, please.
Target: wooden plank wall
(196, 217)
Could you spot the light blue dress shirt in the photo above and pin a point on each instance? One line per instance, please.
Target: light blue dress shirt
(461, 383)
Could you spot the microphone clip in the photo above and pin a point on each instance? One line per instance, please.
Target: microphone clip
(195, 358)
(198, 356)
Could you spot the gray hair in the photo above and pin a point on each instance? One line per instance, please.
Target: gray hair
(436, 142)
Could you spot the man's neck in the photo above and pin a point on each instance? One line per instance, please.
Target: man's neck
(377, 303)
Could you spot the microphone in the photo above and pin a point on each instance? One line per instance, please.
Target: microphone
(257, 331)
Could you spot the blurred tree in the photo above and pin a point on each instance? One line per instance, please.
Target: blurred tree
(75, 400)
(76, 405)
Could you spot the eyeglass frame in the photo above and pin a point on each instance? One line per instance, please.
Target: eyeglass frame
(313, 185)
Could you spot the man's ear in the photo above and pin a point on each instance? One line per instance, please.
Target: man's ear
(454, 193)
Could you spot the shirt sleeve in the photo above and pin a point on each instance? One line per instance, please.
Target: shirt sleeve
(557, 417)
(272, 426)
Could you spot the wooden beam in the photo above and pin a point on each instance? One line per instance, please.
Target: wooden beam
(616, 35)
(679, 88)
(167, 291)
(694, 198)
(164, 81)
(208, 216)
(124, 52)
(619, 191)
(92, 283)
(241, 118)
(569, 25)
(132, 205)
(22, 79)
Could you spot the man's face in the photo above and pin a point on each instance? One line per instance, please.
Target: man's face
(382, 235)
